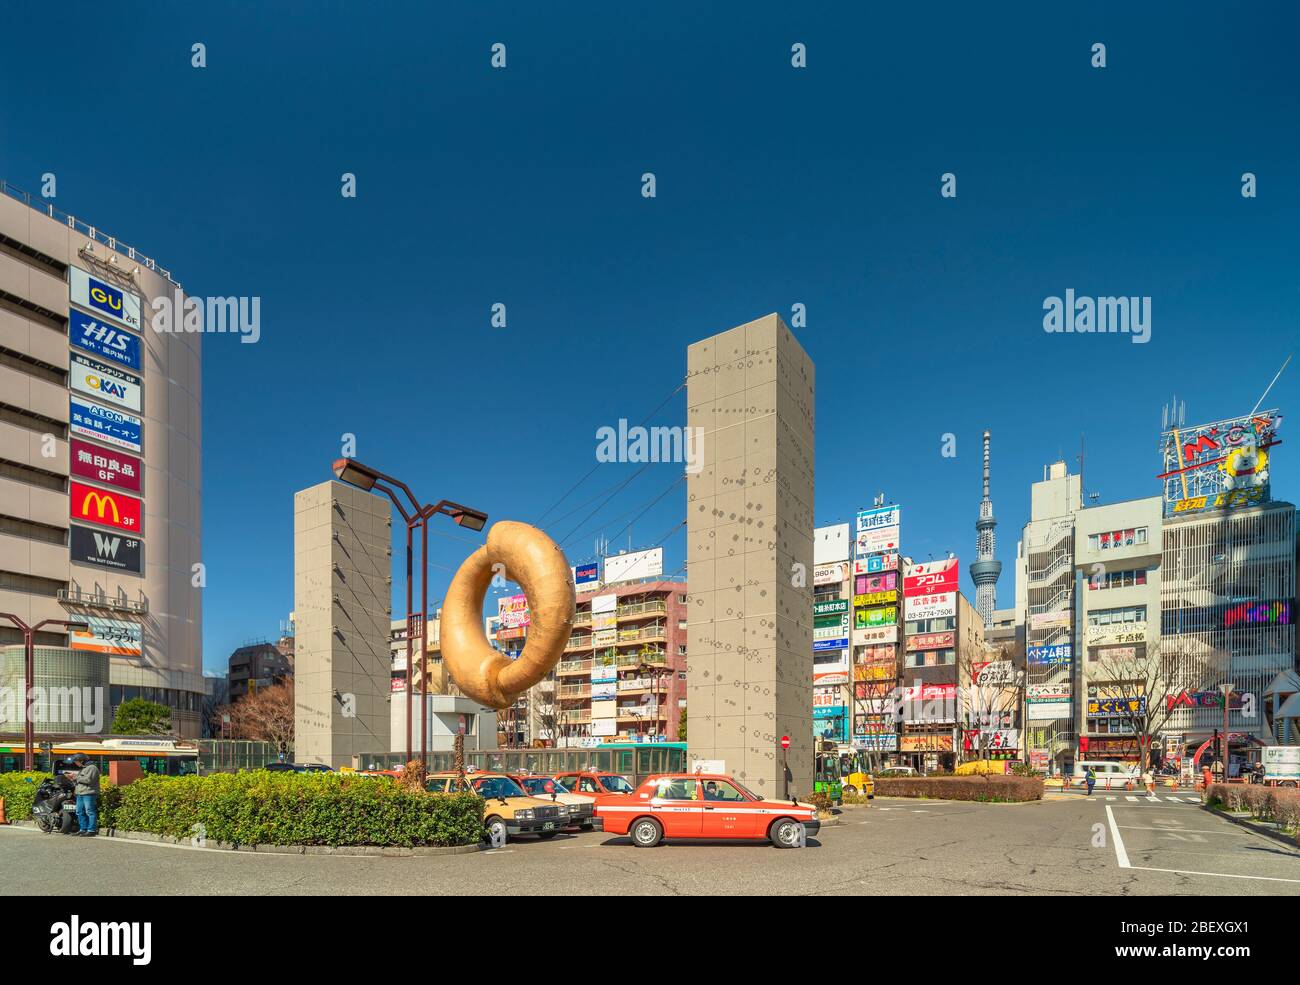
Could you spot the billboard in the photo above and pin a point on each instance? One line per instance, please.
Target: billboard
(997, 673)
(831, 543)
(586, 576)
(931, 641)
(113, 636)
(875, 598)
(876, 541)
(874, 635)
(875, 563)
(1058, 653)
(1117, 706)
(116, 552)
(830, 574)
(629, 567)
(872, 618)
(884, 582)
(101, 297)
(513, 611)
(95, 335)
(108, 509)
(601, 671)
(104, 382)
(830, 607)
(1218, 466)
(932, 606)
(1059, 619)
(100, 465)
(879, 518)
(113, 427)
(840, 643)
(932, 578)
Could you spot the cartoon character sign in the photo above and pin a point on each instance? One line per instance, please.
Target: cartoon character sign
(1245, 467)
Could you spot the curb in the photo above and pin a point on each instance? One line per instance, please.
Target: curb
(376, 851)
(1244, 822)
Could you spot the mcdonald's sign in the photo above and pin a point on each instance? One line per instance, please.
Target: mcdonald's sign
(108, 509)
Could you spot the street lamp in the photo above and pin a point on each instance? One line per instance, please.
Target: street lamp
(1227, 689)
(364, 477)
(29, 675)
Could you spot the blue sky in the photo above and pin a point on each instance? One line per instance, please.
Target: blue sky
(775, 186)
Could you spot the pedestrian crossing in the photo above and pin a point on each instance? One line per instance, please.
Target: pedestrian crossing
(1147, 798)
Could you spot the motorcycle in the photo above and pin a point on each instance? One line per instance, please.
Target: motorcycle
(55, 807)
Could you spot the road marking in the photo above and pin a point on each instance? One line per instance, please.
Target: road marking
(1221, 875)
(1110, 798)
(1199, 831)
(1153, 799)
(1132, 799)
(1121, 856)
(498, 851)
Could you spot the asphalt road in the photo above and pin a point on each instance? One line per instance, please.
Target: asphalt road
(1064, 846)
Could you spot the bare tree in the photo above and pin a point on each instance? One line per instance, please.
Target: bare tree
(266, 715)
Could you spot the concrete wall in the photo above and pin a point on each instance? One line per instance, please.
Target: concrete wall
(749, 523)
(341, 547)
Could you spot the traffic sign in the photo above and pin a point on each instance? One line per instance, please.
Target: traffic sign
(785, 742)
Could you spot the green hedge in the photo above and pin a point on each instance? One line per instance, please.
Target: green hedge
(19, 793)
(263, 808)
(990, 787)
(1279, 804)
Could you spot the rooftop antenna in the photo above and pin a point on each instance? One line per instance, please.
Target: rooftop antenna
(1269, 387)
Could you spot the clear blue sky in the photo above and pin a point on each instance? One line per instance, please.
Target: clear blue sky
(775, 186)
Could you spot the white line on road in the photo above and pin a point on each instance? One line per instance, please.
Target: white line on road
(1121, 856)
(1221, 875)
(1179, 831)
(1134, 799)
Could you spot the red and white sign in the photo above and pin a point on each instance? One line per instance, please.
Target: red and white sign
(785, 742)
(112, 468)
(875, 564)
(931, 606)
(513, 611)
(931, 641)
(108, 509)
(935, 578)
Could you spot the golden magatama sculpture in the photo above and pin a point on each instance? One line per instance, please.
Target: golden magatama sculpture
(539, 566)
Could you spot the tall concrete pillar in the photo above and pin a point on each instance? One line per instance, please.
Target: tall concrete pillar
(750, 555)
(342, 567)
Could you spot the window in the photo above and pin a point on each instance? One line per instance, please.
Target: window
(722, 790)
(679, 789)
(1118, 538)
(681, 649)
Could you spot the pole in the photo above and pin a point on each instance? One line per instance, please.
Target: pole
(29, 685)
(424, 640)
(410, 663)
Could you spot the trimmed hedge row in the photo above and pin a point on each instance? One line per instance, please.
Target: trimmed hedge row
(19, 793)
(263, 808)
(1278, 804)
(979, 787)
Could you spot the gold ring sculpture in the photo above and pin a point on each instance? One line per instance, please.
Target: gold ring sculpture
(536, 562)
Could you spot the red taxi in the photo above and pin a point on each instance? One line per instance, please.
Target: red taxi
(705, 805)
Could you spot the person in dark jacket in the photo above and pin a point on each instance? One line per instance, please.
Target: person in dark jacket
(87, 791)
(1091, 779)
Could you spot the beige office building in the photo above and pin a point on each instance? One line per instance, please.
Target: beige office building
(100, 447)
(750, 555)
(342, 585)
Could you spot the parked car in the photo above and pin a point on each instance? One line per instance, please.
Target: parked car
(581, 808)
(1110, 776)
(605, 788)
(898, 771)
(298, 768)
(705, 805)
(507, 810)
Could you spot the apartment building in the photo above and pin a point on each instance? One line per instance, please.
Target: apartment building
(100, 448)
(632, 686)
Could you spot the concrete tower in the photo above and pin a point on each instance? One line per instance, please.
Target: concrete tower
(985, 570)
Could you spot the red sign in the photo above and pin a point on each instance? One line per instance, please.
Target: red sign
(108, 509)
(931, 641)
(785, 742)
(112, 468)
(933, 578)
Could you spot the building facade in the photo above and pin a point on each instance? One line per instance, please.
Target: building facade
(100, 448)
(832, 595)
(257, 665)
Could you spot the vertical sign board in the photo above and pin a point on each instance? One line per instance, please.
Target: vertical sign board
(932, 578)
(104, 549)
(104, 382)
(89, 292)
(109, 468)
(108, 509)
(109, 426)
(97, 336)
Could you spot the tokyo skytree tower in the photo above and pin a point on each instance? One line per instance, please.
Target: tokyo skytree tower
(985, 570)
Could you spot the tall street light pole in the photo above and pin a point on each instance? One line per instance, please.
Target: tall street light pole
(29, 676)
(352, 472)
(1227, 690)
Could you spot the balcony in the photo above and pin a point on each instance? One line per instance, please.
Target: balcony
(578, 643)
(639, 610)
(645, 713)
(582, 618)
(571, 667)
(657, 659)
(637, 684)
(100, 600)
(566, 718)
(575, 690)
(649, 633)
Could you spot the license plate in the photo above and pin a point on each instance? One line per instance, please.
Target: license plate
(548, 826)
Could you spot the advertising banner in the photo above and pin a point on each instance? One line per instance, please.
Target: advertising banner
(831, 543)
(1117, 706)
(831, 678)
(931, 606)
(879, 518)
(101, 297)
(1218, 466)
(990, 739)
(604, 728)
(1048, 692)
(875, 563)
(109, 509)
(927, 743)
(604, 603)
(603, 671)
(513, 611)
(100, 465)
(874, 635)
(874, 598)
(830, 607)
(876, 743)
(933, 578)
(104, 382)
(873, 618)
(113, 427)
(629, 567)
(1124, 632)
(604, 637)
(999, 673)
(604, 690)
(586, 576)
(112, 636)
(830, 574)
(116, 552)
(97, 336)
(1058, 653)
(876, 541)
(1046, 711)
(884, 582)
(1060, 619)
(931, 641)
(840, 643)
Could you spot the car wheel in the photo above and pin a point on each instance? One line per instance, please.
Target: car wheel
(587, 826)
(548, 834)
(785, 833)
(850, 791)
(496, 831)
(646, 833)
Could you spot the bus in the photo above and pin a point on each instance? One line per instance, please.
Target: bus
(157, 755)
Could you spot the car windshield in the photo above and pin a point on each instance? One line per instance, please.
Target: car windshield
(561, 786)
(498, 786)
(541, 785)
(746, 791)
(616, 784)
